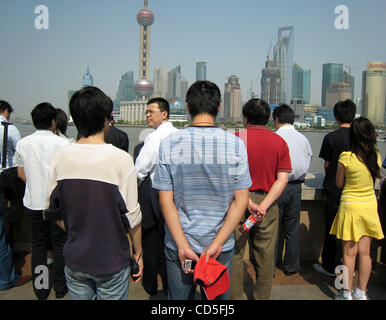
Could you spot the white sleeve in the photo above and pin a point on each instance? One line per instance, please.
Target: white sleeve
(148, 156)
(129, 192)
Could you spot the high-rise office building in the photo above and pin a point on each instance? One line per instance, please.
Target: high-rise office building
(301, 84)
(336, 92)
(283, 54)
(200, 71)
(125, 90)
(87, 79)
(177, 84)
(271, 83)
(374, 92)
(160, 82)
(232, 99)
(332, 73)
(144, 87)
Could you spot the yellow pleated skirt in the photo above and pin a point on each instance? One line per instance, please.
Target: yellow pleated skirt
(357, 217)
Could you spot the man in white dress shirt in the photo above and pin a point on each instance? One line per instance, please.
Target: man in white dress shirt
(33, 157)
(157, 115)
(290, 200)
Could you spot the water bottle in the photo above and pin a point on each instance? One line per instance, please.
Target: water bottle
(249, 223)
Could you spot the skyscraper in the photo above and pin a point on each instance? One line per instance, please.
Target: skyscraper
(301, 84)
(125, 90)
(374, 92)
(271, 83)
(200, 71)
(160, 82)
(332, 73)
(283, 54)
(144, 87)
(87, 79)
(232, 99)
(177, 84)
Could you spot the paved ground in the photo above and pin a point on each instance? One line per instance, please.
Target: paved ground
(306, 285)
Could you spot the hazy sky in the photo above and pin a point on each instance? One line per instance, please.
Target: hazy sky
(232, 36)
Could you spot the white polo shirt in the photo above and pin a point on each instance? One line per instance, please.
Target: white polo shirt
(35, 153)
(299, 149)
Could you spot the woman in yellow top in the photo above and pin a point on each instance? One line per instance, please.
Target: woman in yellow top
(357, 220)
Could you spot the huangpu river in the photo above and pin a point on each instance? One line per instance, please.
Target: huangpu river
(137, 135)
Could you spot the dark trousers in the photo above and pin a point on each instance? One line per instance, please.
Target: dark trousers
(41, 232)
(289, 216)
(153, 257)
(331, 252)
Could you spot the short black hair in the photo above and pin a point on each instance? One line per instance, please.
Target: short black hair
(257, 111)
(42, 116)
(4, 105)
(89, 108)
(203, 97)
(284, 114)
(61, 121)
(344, 111)
(163, 104)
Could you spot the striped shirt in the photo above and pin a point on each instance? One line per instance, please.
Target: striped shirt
(203, 166)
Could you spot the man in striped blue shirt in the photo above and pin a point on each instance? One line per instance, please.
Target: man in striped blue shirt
(203, 177)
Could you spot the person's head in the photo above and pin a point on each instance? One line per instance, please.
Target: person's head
(344, 111)
(157, 112)
(256, 112)
(363, 140)
(90, 109)
(283, 114)
(61, 122)
(44, 116)
(5, 109)
(203, 97)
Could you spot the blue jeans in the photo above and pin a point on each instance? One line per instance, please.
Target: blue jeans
(85, 286)
(180, 285)
(8, 275)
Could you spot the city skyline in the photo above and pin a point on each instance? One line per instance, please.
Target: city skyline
(43, 65)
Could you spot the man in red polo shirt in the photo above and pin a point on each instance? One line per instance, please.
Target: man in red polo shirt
(269, 165)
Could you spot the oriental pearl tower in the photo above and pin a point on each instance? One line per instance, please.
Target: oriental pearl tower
(144, 87)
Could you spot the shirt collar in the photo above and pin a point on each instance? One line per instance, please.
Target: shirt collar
(2, 118)
(256, 126)
(43, 132)
(291, 127)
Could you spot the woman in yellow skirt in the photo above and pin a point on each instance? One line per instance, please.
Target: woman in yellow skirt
(357, 220)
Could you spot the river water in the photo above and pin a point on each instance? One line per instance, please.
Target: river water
(136, 135)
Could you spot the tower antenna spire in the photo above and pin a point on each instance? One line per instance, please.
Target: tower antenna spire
(146, 3)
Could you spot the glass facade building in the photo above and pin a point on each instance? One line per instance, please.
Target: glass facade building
(201, 71)
(125, 90)
(332, 73)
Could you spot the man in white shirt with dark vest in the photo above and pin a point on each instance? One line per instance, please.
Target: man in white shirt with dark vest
(157, 115)
(290, 200)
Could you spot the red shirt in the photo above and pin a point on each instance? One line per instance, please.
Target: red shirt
(268, 154)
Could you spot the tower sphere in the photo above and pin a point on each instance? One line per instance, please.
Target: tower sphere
(145, 17)
(143, 88)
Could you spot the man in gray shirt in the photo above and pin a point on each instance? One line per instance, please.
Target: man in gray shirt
(290, 200)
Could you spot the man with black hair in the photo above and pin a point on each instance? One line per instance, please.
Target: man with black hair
(290, 200)
(334, 143)
(203, 178)
(33, 157)
(269, 165)
(92, 194)
(115, 136)
(8, 275)
(157, 116)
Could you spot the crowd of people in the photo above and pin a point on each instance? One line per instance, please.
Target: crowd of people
(102, 216)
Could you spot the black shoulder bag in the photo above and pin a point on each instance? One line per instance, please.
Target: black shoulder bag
(11, 185)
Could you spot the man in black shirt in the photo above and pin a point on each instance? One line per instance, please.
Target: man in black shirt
(333, 145)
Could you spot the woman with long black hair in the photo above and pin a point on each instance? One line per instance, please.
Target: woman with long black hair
(357, 220)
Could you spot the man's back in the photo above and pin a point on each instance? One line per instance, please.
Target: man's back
(334, 143)
(203, 166)
(34, 153)
(117, 138)
(267, 154)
